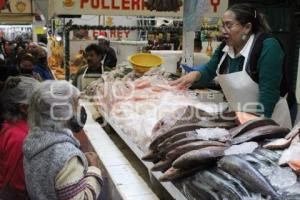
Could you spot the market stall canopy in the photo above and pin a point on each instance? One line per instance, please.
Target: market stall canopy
(16, 11)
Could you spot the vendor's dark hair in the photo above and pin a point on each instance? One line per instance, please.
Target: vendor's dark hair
(96, 48)
(247, 13)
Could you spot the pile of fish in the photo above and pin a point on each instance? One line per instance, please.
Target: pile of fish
(197, 140)
(254, 176)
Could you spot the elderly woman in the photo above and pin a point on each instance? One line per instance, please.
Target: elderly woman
(55, 168)
(15, 98)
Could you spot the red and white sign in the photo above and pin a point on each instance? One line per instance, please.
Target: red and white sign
(111, 34)
(122, 8)
(105, 7)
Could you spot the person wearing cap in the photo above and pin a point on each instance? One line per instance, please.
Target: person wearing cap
(110, 58)
(14, 100)
(55, 167)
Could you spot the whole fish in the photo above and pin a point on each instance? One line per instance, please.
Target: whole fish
(264, 132)
(272, 155)
(225, 189)
(184, 115)
(280, 143)
(249, 176)
(173, 174)
(180, 143)
(198, 157)
(178, 129)
(202, 191)
(176, 137)
(162, 165)
(180, 150)
(239, 130)
(237, 183)
(264, 159)
(151, 156)
(187, 127)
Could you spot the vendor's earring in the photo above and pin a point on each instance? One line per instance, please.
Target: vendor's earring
(244, 37)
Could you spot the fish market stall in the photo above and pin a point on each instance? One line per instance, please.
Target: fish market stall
(195, 148)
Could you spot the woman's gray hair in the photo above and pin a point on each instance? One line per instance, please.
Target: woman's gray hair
(17, 91)
(52, 105)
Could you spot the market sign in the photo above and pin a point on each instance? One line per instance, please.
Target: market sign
(122, 7)
(105, 7)
(78, 35)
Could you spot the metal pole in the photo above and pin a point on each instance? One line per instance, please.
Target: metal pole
(188, 43)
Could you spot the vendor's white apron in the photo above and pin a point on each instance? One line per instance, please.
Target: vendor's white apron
(242, 93)
(86, 79)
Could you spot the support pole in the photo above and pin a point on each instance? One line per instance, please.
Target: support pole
(188, 41)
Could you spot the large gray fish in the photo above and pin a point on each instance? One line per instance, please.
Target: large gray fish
(280, 143)
(239, 130)
(173, 174)
(187, 127)
(260, 133)
(202, 191)
(181, 116)
(199, 157)
(162, 165)
(180, 150)
(272, 155)
(249, 176)
(199, 191)
(177, 137)
(237, 183)
(151, 156)
(224, 188)
(264, 159)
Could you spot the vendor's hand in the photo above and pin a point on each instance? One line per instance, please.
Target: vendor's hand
(186, 81)
(92, 158)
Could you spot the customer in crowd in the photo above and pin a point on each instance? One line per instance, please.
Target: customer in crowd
(41, 65)
(94, 55)
(110, 59)
(25, 66)
(14, 103)
(55, 167)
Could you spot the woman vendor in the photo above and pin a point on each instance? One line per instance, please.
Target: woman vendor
(249, 84)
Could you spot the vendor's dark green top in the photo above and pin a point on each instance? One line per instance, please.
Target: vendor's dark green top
(269, 66)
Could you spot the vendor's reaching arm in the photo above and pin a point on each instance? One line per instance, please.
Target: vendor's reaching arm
(208, 73)
(205, 75)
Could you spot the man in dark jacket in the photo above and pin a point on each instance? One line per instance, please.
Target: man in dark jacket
(110, 58)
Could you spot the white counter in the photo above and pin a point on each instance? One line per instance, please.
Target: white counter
(124, 181)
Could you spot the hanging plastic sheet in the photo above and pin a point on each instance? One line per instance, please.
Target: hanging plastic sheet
(193, 11)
